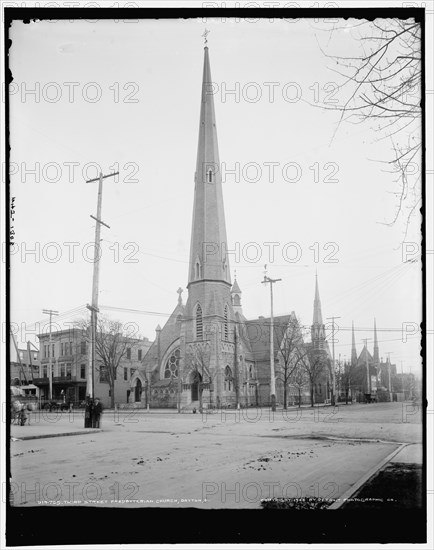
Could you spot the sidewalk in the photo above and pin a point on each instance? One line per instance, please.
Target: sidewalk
(386, 482)
(42, 430)
(143, 410)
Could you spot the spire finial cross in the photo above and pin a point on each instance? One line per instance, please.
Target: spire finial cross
(205, 35)
(179, 291)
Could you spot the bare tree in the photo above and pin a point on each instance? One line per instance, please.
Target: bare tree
(112, 342)
(299, 379)
(383, 86)
(346, 379)
(289, 336)
(314, 362)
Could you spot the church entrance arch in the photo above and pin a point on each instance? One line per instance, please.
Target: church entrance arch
(196, 380)
(138, 391)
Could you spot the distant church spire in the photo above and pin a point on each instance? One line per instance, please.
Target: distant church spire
(317, 329)
(353, 347)
(208, 258)
(376, 349)
(317, 315)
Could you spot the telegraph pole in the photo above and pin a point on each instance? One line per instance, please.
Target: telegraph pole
(272, 375)
(18, 357)
(388, 372)
(402, 380)
(95, 282)
(333, 369)
(368, 377)
(50, 312)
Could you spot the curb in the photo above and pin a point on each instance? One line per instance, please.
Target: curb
(365, 478)
(43, 436)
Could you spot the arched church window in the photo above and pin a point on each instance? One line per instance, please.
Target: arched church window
(228, 378)
(209, 176)
(198, 270)
(172, 365)
(236, 300)
(226, 324)
(199, 322)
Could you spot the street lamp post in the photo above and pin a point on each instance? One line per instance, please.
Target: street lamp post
(333, 400)
(272, 374)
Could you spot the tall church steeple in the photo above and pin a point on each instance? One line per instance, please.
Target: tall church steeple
(317, 329)
(353, 347)
(209, 312)
(208, 258)
(376, 348)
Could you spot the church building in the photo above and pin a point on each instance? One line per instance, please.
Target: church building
(207, 353)
(370, 375)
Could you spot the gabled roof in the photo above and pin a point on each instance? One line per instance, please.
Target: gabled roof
(168, 334)
(362, 357)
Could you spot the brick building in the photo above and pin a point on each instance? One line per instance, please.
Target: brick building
(69, 355)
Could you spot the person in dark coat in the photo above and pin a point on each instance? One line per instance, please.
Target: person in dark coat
(88, 413)
(97, 411)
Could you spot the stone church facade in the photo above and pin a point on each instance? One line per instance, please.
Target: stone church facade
(208, 354)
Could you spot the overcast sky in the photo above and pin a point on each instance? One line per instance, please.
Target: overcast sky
(132, 103)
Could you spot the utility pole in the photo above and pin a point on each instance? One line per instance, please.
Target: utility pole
(18, 357)
(402, 380)
(95, 282)
(368, 377)
(389, 372)
(272, 375)
(50, 312)
(29, 353)
(333, 400)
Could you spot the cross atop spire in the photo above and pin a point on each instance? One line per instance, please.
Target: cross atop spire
(180, 291)
(205, 35)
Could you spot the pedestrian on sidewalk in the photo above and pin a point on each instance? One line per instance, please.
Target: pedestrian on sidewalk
(88, 412)
(97, 412)
(24, 415)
